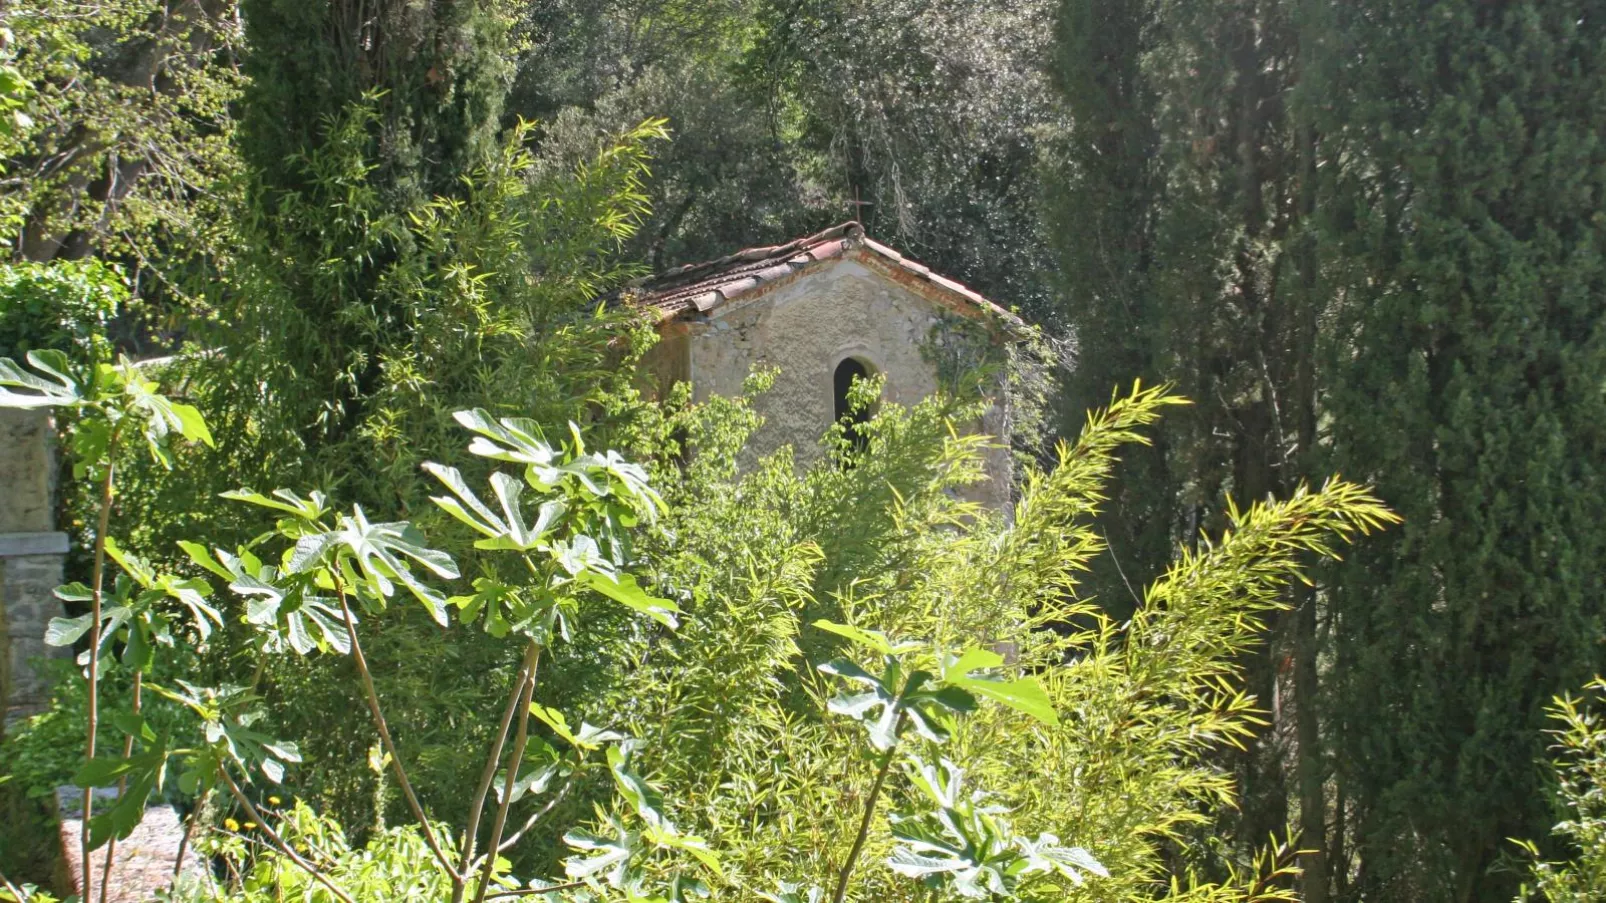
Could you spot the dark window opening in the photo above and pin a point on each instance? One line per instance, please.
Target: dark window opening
(846, 373)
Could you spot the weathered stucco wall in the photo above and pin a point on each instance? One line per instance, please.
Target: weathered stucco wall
(31, 553)
(805, 328)
(27, 472)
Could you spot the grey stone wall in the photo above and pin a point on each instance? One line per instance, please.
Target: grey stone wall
(27, 583)
(27, 472)
(31, 554)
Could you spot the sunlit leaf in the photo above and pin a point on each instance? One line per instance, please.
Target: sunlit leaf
(870, 639)
(611, 855)
(67, 631)
(642, 797)
(49, 386)
(627, 592)
(588, 737)
(532, 783)
(380, 549)
(310, 508)
(1022, 694)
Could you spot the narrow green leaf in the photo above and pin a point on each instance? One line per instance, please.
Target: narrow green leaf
(310, 508)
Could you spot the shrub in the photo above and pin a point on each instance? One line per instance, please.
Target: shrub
(1580, 766)
(65, 306)
(729, 749)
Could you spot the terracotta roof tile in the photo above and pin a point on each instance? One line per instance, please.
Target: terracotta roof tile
(700, 287)
(829, 249)
(736, 288)
(882, 249)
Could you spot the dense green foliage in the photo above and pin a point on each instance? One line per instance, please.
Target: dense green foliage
(435, 75)
(1580, 764)
(489, 308)
(66, 307)
(918, 118)
(1362, 238)
(1185, 195)
(397, 257)
(392, 237)
(125, 149)
(1365, 238)
(353, 122)
(897, 570)
(753, 783)
(1472, 327)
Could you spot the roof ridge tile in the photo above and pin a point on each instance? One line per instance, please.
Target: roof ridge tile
(700, 287)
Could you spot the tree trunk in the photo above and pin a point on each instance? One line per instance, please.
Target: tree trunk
(1310, 768)
(100, 173)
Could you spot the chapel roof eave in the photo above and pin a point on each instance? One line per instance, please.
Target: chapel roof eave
(689, 291)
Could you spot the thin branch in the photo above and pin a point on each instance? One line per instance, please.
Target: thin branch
(292, 855)
(318, 853)
(513, 763)
(529, 823)
(244, 839)
(531, 891)
(189, 829)
(1119, 570)
(384, 732)
(93, 716)
(471, 827)
(122, 788)
(869, 814)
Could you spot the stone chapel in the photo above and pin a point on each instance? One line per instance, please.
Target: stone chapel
(823, 310)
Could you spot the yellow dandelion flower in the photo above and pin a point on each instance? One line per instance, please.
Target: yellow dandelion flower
(249, 825)
(231, 824)
(274, 800)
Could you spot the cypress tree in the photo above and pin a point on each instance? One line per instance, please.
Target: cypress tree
(401, 258)
(437, 75)
(1176, 219)
(1181, 222)
(1466, 243)
(356, 115)
(1105, 186)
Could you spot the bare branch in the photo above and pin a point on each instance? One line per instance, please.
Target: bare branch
(471, 827)
(514, 761)
(384, 733)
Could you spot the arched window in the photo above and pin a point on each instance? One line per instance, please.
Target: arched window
(846, 372)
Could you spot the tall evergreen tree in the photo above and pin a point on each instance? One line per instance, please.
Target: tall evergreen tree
(401, 258)
(1468, 248)
(1364, 237)
(1182, 225)
(437, 73)
(1102, 217)
(354, 116)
